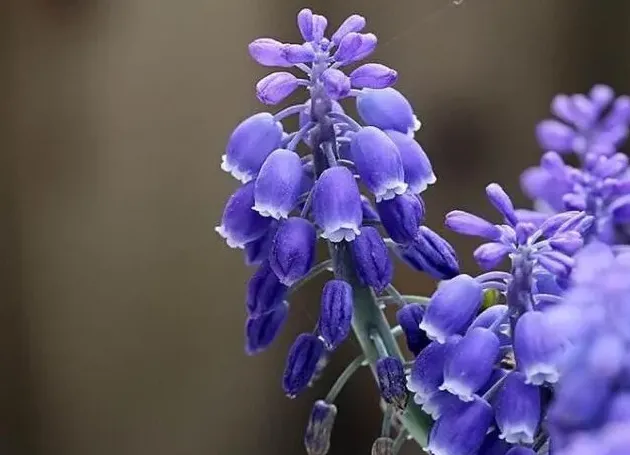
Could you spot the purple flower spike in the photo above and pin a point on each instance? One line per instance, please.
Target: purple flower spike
(452, 307)
(269, 52)
(427, 372)
(250, 144)
(387, 109)
(502, 202)
(518, 410)
(373, 75)
(431, 254)
(275, 87)
(240, 224)
(336, 83)
(262, 330)
(409, 318)
(490, 255)
(371, 259)
(354, 23)
(304, 355)
(378, 163)
(337, 205)
(264, 291)
(293, 250)
(468, 224)
(279, 184)
(462, 430)
(538, 348)
(391, 380)
(418, 170)
(470, 365)
(402, 216)
(336, 313)
(320, 424)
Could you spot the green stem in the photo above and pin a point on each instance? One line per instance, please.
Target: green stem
(399, 441)
(343, 378)
(367, 319)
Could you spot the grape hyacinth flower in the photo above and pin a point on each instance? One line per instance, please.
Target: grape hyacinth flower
(593, 128)
(304, 186)
(533, 359)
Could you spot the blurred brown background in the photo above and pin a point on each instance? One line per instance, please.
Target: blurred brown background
(121, 311)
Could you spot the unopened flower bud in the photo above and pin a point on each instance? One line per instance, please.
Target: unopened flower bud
(319, 428)
(391, 380)
(301, 365)
(373, 75)
(336, 313)
(383, 446)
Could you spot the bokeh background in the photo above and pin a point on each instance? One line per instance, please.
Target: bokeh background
(121, 311)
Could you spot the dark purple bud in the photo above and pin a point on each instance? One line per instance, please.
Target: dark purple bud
(553, 135)
(256, 251)
(418, 170)
(293, 250)
(427, 372)
(369, 212)
(431, 254)
(383, 446)
(275, 87)
(470, 365)
(538, 348)
(502, 202)
(279, 184)
(302, 361)
(336, 83)
(264, 291)
(378, 163)
(409, 318)
(568, 242)
(373, 75)
(490, 255)
(305, 24)
(239, 223)
(468, 224)
(354, 23)
(337, 205)
(452, 307)
(348, 47)
(391, 381)
(250, 144)
(371, 259)
(386, 109)
(521, 451)
(299, 53)
(268, 52)
(461, 430)
(441, 403)
(319, 428)
(518, 410)
(336, 313)
(262, 330)
(401, 216)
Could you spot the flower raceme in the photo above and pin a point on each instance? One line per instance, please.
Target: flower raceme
(492, 351)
